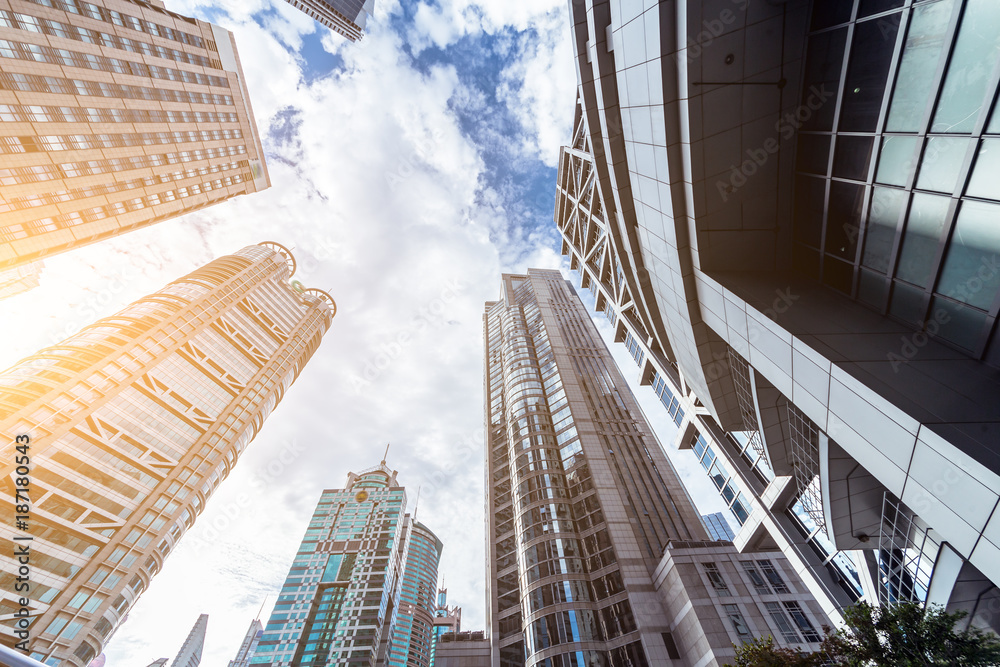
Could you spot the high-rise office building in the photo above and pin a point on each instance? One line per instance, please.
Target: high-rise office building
(718, 527)
(784, 210)
(345, 17)
(194, 645)
(411, 636)
(446, 620)
(133, 423)
(116, 115)
(596, 554)
(335, 605)
(249, 645)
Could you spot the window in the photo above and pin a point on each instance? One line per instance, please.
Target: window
(773, 577)
(799, 616)
(715, 577)
(758, 582)
(777, 614)
(736, 619)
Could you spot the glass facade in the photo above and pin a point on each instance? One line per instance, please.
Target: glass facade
(412, 635)
(557, 589)
(135, 421)
(903, 217)
(333, 607)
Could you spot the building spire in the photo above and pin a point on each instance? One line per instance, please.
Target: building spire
(386, 455)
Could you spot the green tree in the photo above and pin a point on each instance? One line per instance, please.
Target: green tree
(761, 652)
(906, 635)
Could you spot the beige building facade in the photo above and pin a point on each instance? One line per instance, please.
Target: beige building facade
(115, 115)
(131, 425)
(596, 553)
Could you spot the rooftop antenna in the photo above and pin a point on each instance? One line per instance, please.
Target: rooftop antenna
(416, 504)
(261, 608)
(386, 455)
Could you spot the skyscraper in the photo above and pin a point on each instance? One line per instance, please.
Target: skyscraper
(20, 279)
(596, 553)
(446, 619)
(249, 645)
(346, 17)
(411, 635)
(335, 604)
(116, 115)
(717, 526)
(794, 238)
(194, 645)
(133, 423)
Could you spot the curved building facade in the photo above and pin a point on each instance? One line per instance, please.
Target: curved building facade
(783, 207)
(597, 556)
(411, 639)
(133, 423)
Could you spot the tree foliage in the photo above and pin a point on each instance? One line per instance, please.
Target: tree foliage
(902, 635)
(761, 652)
(906, 635)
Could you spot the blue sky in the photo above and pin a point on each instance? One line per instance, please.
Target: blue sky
(408, 171)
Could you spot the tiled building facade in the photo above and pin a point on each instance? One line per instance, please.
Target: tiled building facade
(133, 424)
(116, 114)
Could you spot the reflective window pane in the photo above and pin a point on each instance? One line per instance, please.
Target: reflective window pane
(869, 7)
(928, 215)
(826, 14)
(812, 153)
(873, 289)
(852, 157)
(837, 274)
(956, 323)
(864, 86)
(809, 204)
(972, 62)
(985, 181)
(907, 303)
(926, 41)
(844, 218)
(897, 160)
(971, 270)
(824, 61)
(883, 217)
(942, 163)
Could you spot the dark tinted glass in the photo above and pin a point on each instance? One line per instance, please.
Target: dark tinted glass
(838, 274)
(873, 289)
(843, 221)
(813, 153)
(907, 303)
(806, 261)
(957, 323)
(864, 87)
(809, 204)
(869, 7)
(831, 12)
(822, 77)
(853, 154)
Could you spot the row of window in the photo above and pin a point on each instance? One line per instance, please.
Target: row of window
(52, 28)
(79, 142)
(32, 201)
(65, 86)
(122, 20)
(48, 54)
(67, 220)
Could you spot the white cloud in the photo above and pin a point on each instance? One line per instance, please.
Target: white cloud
(540, 87)
(385, 201)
